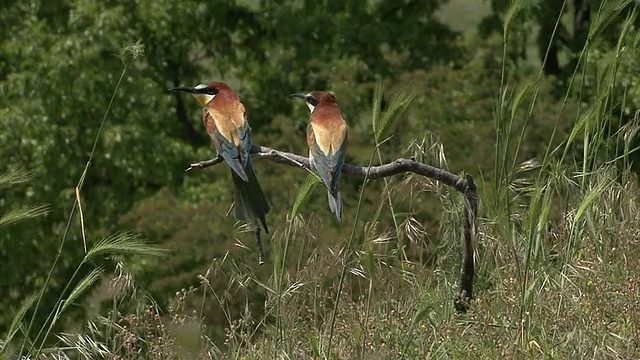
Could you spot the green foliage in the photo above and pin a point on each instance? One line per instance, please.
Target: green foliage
(21, 213)
(541, 103)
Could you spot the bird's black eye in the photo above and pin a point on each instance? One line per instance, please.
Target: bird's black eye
(312, 100)
(211, 91)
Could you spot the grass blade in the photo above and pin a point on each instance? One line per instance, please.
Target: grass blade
(14, 177)
(17, 318)
(303, 194)
(397, 106)
(123, 244)
(23, 212)
(81, 287)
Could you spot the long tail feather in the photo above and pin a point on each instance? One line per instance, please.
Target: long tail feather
(260, 248)
(335, 204)
(250, 201)
(236, 167)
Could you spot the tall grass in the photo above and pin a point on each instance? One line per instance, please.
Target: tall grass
(86, 274)
(557, 277)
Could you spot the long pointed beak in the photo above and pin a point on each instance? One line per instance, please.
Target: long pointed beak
(301, 96)
(186, 89)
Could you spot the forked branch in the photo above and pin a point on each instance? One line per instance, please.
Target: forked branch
(464, 185)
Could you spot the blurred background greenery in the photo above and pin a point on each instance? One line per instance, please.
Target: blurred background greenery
(60, 62)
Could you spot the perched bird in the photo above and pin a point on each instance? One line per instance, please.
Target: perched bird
(226, 122)
(327, 140)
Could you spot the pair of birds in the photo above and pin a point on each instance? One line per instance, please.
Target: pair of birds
(226, 122)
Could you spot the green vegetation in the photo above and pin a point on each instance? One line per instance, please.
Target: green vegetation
(109, 249)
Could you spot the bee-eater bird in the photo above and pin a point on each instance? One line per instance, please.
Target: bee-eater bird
(226, 122)
(327, 140)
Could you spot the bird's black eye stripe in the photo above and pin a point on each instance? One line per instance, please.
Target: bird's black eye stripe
(211, 91)
(312, 100)
(208, 90)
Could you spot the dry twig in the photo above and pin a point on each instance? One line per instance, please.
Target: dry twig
(464, 185)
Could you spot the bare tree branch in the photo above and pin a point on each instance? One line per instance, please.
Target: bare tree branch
(464, 185)
(203, 164)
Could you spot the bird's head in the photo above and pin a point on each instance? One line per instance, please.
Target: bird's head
(204, 93)
(309, 99)
(315, 98)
